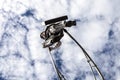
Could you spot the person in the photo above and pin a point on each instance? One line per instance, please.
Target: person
(52, 35)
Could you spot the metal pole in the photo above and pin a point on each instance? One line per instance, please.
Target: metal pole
(59, 74)
(86, 54)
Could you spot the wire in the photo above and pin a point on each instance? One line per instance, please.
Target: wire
(89, 59)
(59, 74)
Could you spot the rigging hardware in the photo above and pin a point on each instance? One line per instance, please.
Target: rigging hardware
(52, 36)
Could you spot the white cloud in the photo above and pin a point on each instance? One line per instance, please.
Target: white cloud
(97, 18)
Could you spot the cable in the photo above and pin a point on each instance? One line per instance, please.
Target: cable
(60, 75)
(89, 59)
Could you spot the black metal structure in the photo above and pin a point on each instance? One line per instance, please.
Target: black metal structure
(91, 63)
(56, 20)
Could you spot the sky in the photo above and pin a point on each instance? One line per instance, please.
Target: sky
(22, 56)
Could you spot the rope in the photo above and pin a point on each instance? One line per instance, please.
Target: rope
(87, 57)
(59, 74)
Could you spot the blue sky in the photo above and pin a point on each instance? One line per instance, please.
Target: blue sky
(22, 56)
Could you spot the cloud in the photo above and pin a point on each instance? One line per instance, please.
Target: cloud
(22, 56)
